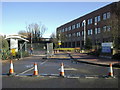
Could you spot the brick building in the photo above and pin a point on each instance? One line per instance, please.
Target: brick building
(94, 26)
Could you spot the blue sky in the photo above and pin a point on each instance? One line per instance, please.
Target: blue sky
(15, 15)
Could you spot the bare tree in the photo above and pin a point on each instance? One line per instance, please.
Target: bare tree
(54, 39)
(35, 31)
(23, 32)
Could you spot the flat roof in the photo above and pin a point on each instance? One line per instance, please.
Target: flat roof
(16, 37)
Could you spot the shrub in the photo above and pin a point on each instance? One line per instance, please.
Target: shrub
(24, 54)
(116, 56)
(95, 53)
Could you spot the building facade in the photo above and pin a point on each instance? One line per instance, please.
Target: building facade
(93, 27)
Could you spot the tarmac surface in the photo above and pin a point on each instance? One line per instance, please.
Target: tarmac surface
(77, 74)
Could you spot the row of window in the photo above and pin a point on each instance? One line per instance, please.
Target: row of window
(89, 32)
(89, 21)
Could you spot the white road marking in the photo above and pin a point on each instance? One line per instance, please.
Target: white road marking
(43, 62)
(28, 66)
(68, 69)
(27, 70)
(32, 68)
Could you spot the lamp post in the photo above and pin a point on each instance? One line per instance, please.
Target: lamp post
(31, 48)
(84, 21)
(31, 39)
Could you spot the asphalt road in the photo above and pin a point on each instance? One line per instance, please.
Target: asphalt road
(77, 75)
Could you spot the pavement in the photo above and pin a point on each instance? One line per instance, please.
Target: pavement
(89, 59)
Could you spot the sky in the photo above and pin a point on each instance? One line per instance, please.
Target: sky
(16, 15)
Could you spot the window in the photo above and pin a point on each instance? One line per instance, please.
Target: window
(69, 28)
(74, 35)
(82, 24)
(73, 26)
(89, 21)
(69, 35)
(104, 16)
(97, 19)
(82, 33)
(65, 29)
(108, 28)
(60, 31)
(90, 32)
(104, 28)
(66, 35)
(78, 25)
(78, 34)
(108, 14)
(97, 30)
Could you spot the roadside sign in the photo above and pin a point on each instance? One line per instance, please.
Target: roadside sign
(14, 45)
(13, 52)
(106, 47)
(59, 42)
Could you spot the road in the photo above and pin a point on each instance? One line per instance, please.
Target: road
(77, 75)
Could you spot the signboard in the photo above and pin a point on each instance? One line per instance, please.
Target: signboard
(107, 44)
(14, 44)
(59, 43)
(13, 52)
(106, 47)
(49, 49)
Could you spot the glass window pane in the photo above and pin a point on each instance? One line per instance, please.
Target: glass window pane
(98, 18)
(95, 19)
(98, 30)
(108, 15)
(104, 16)
(95, 30)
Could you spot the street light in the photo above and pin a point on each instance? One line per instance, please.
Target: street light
(31, 48)
(84, 21)
(31, 39)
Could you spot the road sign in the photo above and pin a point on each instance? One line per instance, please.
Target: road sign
(106, 47)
